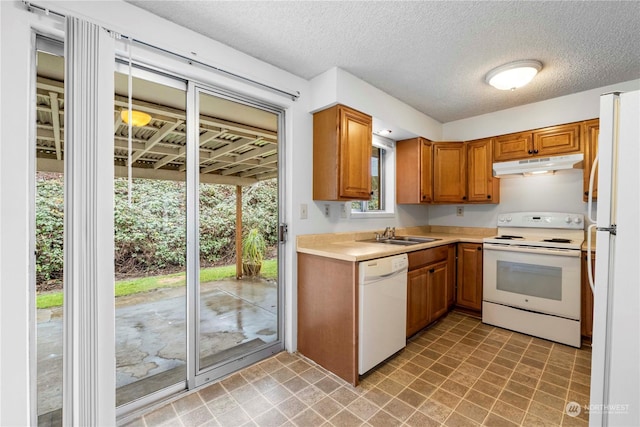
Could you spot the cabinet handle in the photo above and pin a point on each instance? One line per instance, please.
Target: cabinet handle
(432, 270)
(464, 197)
(535, 151)
(586, 193)
(530, 152)
(479, 248)
(488, 196)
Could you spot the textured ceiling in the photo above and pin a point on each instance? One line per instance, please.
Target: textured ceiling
(431, 55)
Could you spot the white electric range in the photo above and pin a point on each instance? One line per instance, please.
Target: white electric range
(531, 275)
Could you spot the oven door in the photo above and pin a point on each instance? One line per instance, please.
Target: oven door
(537, 279)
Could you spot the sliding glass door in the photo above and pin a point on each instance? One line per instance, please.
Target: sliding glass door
(194, 180)
(236, 309)
(150, 234)
(197, 208)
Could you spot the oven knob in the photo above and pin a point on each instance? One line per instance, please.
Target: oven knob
(567, 220)
(508, 219)
(577, 220)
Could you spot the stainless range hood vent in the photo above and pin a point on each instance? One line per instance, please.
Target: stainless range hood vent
(539, 165)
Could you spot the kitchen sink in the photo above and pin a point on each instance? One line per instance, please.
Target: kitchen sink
(402, 240)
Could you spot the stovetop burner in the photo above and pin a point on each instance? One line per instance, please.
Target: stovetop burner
(547, 230)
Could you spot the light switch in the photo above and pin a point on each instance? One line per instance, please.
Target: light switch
(304, 211)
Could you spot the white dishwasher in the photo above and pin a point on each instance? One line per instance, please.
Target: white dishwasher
(382, 310)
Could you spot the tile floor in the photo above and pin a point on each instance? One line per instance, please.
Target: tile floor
(457, 373)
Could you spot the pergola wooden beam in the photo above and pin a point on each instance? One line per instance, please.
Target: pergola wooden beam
(162, 132)
(238, 232)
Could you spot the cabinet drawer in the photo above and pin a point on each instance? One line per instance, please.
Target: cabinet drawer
(418, 259)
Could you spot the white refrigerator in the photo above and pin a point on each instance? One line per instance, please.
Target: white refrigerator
(615, 364)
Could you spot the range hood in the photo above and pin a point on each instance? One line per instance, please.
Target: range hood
(538, 165)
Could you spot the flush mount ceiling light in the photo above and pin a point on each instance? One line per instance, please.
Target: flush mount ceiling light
(384, 132)
(514, 74)
(138, 118)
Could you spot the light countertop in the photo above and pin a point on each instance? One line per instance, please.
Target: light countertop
(350, 247)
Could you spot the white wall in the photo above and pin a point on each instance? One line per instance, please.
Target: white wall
(337, 86)
(561, 192)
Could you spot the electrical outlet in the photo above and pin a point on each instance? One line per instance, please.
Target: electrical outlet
(343, 209)
(327, 210)
(460, 211)
(304, 211)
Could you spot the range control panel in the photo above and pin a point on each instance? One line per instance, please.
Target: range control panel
(541, 220)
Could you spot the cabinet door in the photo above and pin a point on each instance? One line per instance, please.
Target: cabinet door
(557, 140)
(512, 147)
(469, 293)
(449, 172)
(481, 185)
(426, 171)
(590, 133)
(586, 312)
(355, 155)
(437, 280)
(414, 171)
(417, 297)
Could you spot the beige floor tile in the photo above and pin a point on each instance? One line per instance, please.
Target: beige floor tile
(378, 396)
(383, 419)
(399, 409)
(508, 411)
(495, 420)
(472, 411)
(480, 399)
(520, 389)
(545, 413)
(446, 398)
(435, 410)
(456, 373)
(459, 420)
(327, 407)
(271, 418)
(514, 400)
(418, 419)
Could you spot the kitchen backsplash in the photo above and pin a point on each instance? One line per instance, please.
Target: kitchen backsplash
(561, 192)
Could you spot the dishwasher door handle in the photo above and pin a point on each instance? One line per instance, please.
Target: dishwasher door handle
(373, 279)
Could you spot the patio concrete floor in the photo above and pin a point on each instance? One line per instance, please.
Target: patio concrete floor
(151, 335)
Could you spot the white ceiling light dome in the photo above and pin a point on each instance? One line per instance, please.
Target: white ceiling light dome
(514, 74)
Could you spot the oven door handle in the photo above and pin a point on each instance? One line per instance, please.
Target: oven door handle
(532, 250)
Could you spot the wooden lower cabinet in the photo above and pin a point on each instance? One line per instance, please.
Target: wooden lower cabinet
(417, 296)
(586, 306)
(469, 292)
(328, 314)
(430, 282)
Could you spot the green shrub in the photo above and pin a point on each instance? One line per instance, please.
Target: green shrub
(150, 235)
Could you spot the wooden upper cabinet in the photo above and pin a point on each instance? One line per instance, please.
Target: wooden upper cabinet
(512, 147)
(556, 140)
(414, 158)
(590, 133)
(481, 185)
(449, 172)
(551, 141)
(341, 154)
